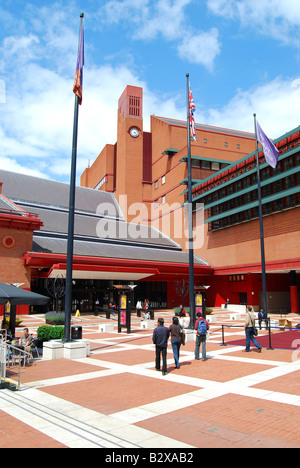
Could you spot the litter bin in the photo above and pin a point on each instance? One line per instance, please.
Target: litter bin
(76, 333)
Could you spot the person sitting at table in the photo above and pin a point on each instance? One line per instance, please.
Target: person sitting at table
(26, 340)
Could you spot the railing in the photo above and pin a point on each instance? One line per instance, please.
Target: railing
(270, 335)
(25, 214)
(7, 351)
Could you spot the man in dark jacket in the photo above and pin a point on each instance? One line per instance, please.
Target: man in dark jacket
(160, 339)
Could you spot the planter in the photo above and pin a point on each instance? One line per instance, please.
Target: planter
(55, 322)
(54, 318)
(7, 321)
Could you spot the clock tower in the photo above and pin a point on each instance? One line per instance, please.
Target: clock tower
(129, 154)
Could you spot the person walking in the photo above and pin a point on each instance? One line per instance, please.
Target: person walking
(160, 339)
(176, 332)
(202, 328)
(249, 329)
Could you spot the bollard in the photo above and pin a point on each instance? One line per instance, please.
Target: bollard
(223, 339)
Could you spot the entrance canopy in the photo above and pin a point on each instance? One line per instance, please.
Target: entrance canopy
(102, 272)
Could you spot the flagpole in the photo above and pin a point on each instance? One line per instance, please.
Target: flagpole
(261, 227)
(190, 214)
(70, 248)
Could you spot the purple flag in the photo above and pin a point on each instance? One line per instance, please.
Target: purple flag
(78, 81)
(270, 150)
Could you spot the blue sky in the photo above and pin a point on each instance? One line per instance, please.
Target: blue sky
(243, 56)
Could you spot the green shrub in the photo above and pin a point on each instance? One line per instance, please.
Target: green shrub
(47, 333)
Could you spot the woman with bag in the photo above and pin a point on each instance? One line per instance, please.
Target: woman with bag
(251, 330)
(176, 339)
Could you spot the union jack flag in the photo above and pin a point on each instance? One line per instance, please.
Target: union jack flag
(192, 120)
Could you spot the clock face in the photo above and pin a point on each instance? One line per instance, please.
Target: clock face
(134, 132)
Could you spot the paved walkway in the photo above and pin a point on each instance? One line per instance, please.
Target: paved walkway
(114, 398)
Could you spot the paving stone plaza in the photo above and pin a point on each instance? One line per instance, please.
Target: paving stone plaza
(115, 399)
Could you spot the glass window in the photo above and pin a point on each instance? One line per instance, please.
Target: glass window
(215, 166)
(205, 164)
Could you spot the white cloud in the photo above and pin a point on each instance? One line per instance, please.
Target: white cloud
(166, 19)
(37, 102)
(274, 18)
(276, 104)
(114, 11)
(202, 48)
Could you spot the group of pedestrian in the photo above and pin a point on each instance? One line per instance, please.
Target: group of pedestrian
(162, 334)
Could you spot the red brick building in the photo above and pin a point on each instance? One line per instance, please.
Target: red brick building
(129, 218)
(149, 168)
(107, 249)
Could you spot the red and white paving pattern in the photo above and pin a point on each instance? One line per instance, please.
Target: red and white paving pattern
(115, 398)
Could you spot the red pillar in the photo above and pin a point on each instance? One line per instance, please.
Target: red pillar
(294, 294)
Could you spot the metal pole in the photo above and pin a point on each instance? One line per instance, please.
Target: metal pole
(270, 341)
(190, 215)
(68, 300)
(223, 336)
(261, 227)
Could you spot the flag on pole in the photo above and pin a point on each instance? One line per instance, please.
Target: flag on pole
(192, 111)
(78, 81)
(270, 150)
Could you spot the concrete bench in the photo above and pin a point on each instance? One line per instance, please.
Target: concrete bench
(238, 308)
(57, 349)
(273, 323)
(235, 316)
(190, 335)
(53, 350)
(75, 350)
(148, 324)
(106, 327)
(211, 319)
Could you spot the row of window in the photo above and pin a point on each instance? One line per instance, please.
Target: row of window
(210, 165)
(268, 208)
(163, 181)
(199, 164)
(268, 190)
(245, 182)
(163, 201)
(226, 144)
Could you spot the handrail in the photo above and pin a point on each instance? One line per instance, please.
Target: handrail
(283, 327)
(4, 346)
